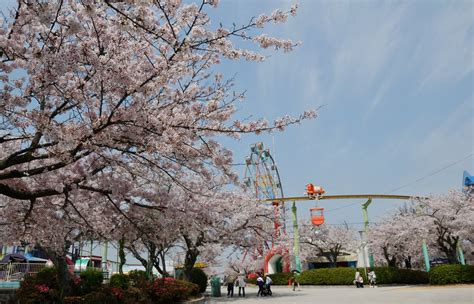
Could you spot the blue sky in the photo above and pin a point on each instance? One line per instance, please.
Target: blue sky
(395, 79)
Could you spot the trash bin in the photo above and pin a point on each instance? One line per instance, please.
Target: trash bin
(215, 287)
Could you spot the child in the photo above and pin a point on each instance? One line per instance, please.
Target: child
(372, 278)
(359, 281)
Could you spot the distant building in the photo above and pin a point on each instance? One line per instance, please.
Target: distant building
(346, 260)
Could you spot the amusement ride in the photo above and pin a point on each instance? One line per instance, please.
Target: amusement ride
(263, 179)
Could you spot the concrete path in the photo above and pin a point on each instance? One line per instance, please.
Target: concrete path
(455, 294)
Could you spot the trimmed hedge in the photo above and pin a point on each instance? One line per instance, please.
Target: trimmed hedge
(451, 274)
(280, 278)
(392, 275)
(199, 278)
(345, 276)
(252, 281)
(327, 276)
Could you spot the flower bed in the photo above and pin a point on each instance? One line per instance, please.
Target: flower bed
(44, 288)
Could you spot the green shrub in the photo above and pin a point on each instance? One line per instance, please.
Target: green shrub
(281, 278)
(408, 276)
(120, 281)
(32, 293)
(91, 280)
(467, 274)
(74, 300)
(392, 275)
(134, 295)
(101, 296)
(137, 278)
(42, 288)
(451, 274)
(327, 276)
(199, 278)
(48, 276)
(345, 276)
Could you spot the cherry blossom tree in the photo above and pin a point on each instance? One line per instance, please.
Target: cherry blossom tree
(120, 84)
(443, 221)
(245, 262)
(104, 100)
(327, 241)
(207, 224)
(397, 238)
(450, 219)
(103, 96)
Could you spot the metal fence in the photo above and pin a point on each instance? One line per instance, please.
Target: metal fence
(19, 271)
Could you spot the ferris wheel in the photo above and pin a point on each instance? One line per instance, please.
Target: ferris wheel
(263, 179)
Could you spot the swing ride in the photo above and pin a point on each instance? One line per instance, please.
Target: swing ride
(317, 193)
(263, 178)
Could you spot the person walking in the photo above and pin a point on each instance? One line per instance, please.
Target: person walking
(260, 284)
(295, 280)
(230, 286)
(359, 281)
(268, 282)
(371, 276)
(242, 284)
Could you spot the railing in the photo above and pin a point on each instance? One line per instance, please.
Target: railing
(19, 271)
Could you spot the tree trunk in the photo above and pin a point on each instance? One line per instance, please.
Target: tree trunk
(163, 263)
(151, 261)
(191, 255)
(64, 276)
(408, 262)
(451, 250)
(391, 261)
(137, 255)
(448, 245)
(121, 254)
(154, 258)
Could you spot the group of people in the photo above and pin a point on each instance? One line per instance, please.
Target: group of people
(264, 283)
(241, 282)
(264, 286)
(359, 280)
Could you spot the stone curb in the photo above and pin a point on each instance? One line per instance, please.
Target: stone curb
(200, 300)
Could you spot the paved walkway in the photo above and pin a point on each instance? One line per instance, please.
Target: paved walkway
(456, 294)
